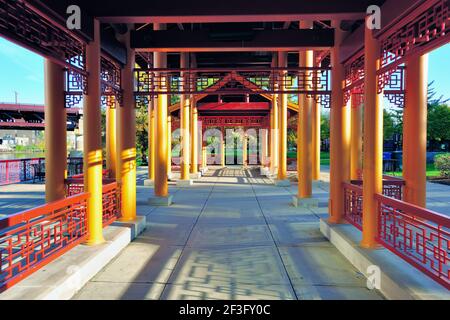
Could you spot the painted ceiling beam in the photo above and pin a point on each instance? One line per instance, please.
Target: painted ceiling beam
(204, 11)
(203, 40)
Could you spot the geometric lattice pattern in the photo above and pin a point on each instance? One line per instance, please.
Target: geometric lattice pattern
(35, 237)
(417, 235)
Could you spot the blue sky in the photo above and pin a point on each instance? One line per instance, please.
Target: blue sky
(23, 71)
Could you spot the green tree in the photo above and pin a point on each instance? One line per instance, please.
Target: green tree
(325, 126)
(141, 135)
(389, 127)
(438, 122)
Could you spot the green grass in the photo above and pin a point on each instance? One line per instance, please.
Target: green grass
(324, 157)
(431, 171)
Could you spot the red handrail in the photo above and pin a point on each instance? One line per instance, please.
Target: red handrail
(353, 199)
(419, 236)
(415, 211)
(35, 237)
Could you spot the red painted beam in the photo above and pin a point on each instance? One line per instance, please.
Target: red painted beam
(234, 106)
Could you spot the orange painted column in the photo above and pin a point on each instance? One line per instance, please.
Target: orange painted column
(316, 140)
(356, 157)
(92, 138)
(264, 146)
(245, 150)
(373, 141)
(55, 132)
(282, 129)
(185, 110)
(151, 139)
(415, 131)
(194, 137)
(126, 121)
(169, 145)
(274, 134)
(274, 122)
(339, 133)
(161, 124)
(222, 152)
(304, 127)
(111, 138)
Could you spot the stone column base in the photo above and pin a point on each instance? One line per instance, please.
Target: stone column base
(283, 183)
(305, 202)
(197, 175)
(264, 171)
(149, 183)
(160, 201)
(136, 226)
(184, 183)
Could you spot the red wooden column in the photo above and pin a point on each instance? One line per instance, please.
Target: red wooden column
(161, 190)
(282, 180)
(415, 131)
(339, 133)
(373, 141)
(92, 138)
(55, 132)
(304, 131)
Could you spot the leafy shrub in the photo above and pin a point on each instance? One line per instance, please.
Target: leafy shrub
(442, 163)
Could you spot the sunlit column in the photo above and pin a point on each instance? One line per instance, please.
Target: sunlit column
(161, 125)
(264, 146)
(373, 141)
(126, 124)
(111, 137)
(282, 130)
(316, 140)
(185, 110)
(304, 126)
(415, 131)
(151, 139)
(169, 146)
(92, 132)
(244, 150)
(194, 138)
(339, 133)
(55, 132)
(274, 125)
(356, 157)
(222, 149)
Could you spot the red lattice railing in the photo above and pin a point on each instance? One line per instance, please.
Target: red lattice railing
(392, 186)
(419, 236)
(353, 204)
(33, 238)
(18, 170)
(353, 194)
(21, 170)
(111, 203)
(110, 197)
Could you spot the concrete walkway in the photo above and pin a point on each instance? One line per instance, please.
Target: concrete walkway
(233, 235)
